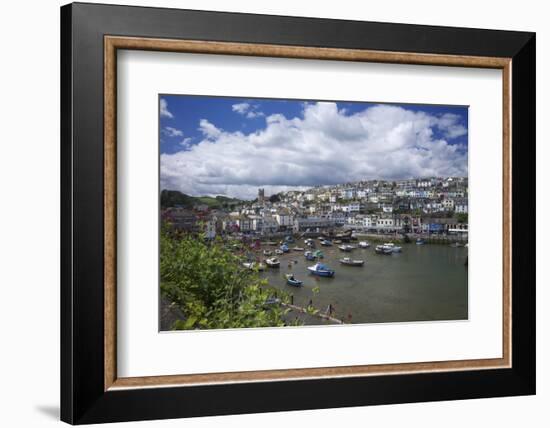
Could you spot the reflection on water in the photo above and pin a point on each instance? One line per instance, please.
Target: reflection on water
(422, 283)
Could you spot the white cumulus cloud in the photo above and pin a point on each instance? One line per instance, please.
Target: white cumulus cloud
(164, 112)
(251, 111)
(172, 132)
(324, 146)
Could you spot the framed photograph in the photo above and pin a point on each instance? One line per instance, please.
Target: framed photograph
(266, 213)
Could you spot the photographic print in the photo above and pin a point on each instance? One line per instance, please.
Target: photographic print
(288, 213)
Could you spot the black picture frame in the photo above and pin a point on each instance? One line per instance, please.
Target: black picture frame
(83, 399)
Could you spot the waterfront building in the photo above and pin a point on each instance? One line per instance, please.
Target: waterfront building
(461, 206)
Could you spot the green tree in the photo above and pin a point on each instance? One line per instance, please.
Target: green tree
(462, 218)
(209, 285)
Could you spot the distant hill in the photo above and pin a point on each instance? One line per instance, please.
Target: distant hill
(174, 198)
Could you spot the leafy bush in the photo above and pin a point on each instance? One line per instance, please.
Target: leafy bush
(209, 285)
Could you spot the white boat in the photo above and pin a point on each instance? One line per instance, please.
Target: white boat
(364, 244)
(273, 262)
(350, 262)
(391, 246)
(279, 252)
(382, 249)
(298, 249)
(346, 247)
(268, 252)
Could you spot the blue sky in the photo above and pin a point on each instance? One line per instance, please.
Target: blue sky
(231, 146)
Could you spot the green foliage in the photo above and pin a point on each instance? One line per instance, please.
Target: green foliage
(462, 218)
(209, 285)
(173, 198)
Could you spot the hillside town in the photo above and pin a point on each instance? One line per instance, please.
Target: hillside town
(419, 206)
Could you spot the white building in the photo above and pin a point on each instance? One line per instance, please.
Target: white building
(461, 206)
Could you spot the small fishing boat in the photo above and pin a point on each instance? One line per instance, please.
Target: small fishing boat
(291, 280)
(337, 241)
(350, 262)
(268, 252)
(273, 262)
(298, 249)
(346, 247)
(318, 254)
(320, 269)
(279, 252)
(364, 244)
(382, 249)
(420, 241)
(270, 243)
(284, 248)
(326, 243)
(309, 256)
(289, 239)
(394, 248)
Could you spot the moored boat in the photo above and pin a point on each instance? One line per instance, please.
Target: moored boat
(320, 269)
(394, 248)
(309, 255)
(284, 248)
(268, 252)
(346, 247)
(319, 254)
(291, 280)
(364, 244)
(326, 243)
(350, 262)
(298, 249)
(273, 262)
(382, 249)
(420, 241)
(279, 252)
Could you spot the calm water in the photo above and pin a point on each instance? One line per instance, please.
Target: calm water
(422, 283)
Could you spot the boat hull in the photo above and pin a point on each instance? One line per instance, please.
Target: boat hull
(327, 274)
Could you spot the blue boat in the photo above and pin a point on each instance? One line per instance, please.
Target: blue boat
(309, 256)
(290, 280)
(320, 269)
(420, 241)
(284, 248)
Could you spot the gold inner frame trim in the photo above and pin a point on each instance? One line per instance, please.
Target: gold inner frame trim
(113, 43)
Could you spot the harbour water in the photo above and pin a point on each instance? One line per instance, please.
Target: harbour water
(422, 283)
